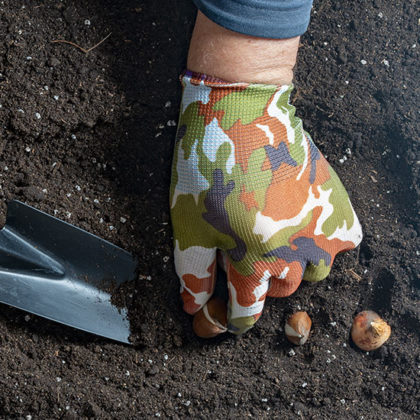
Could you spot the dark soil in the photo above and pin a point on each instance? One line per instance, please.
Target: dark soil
(89, 137)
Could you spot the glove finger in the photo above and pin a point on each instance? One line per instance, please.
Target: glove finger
(287, 278)
(196, 269)
(247, 296)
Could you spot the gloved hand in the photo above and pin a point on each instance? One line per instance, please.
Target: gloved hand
(248, 180)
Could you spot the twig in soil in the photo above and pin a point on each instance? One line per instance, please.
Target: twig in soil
(167, 364)
(354, 274)
(85, 50)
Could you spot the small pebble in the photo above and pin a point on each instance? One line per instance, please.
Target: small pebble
(123, 219)
(87, 22)
(37, 115)
(171, 123)
(27, 318)
(56, 97)
(363, 62)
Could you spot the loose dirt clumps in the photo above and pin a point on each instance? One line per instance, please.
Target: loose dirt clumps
(88, 137)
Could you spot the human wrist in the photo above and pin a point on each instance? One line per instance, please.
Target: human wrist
(235, 57)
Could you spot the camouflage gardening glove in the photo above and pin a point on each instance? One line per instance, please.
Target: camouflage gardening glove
(248, 180)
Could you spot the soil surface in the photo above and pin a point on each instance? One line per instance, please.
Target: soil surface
(89, 136)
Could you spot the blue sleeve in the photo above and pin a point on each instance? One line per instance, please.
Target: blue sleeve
(261, 18)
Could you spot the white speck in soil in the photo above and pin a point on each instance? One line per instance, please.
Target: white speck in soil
(27, 149)
(37, 115)
(123, 219)
(343, 401)
(27, 318)
(168, 104)
(87, 22)
(328, 360)
(386, 62)
(187, 403)
(264, 399)
(68, 214)
(364, 62)
(333, 323)
(165, 259)
(68, 195)
(291, 353)
(171, 123)
(179, 395)
(165, 357)
(304, 385)
(111, 227)
(127, 373)
(158, 134)
(381, 15)
(73, 137)
(21, 111)
(29, 58)
(56, 97)
(78, 188)
(58, 379)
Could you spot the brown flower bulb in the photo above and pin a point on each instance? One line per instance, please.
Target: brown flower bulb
(211, 319)
(297, 328)
(369, 331)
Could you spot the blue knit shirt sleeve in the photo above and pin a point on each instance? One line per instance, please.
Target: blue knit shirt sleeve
(261, 18)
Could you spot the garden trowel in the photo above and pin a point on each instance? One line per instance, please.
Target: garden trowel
(60, 272)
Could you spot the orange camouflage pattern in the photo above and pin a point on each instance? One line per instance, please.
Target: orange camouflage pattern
(247, 180)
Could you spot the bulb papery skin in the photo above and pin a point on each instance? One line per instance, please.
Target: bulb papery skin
(298, 327)
(211, 319)
(369, 331)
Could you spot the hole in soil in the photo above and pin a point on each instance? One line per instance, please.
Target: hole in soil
(366, 254)
(380, 300)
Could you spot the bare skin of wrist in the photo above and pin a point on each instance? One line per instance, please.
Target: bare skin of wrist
(235, 57)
